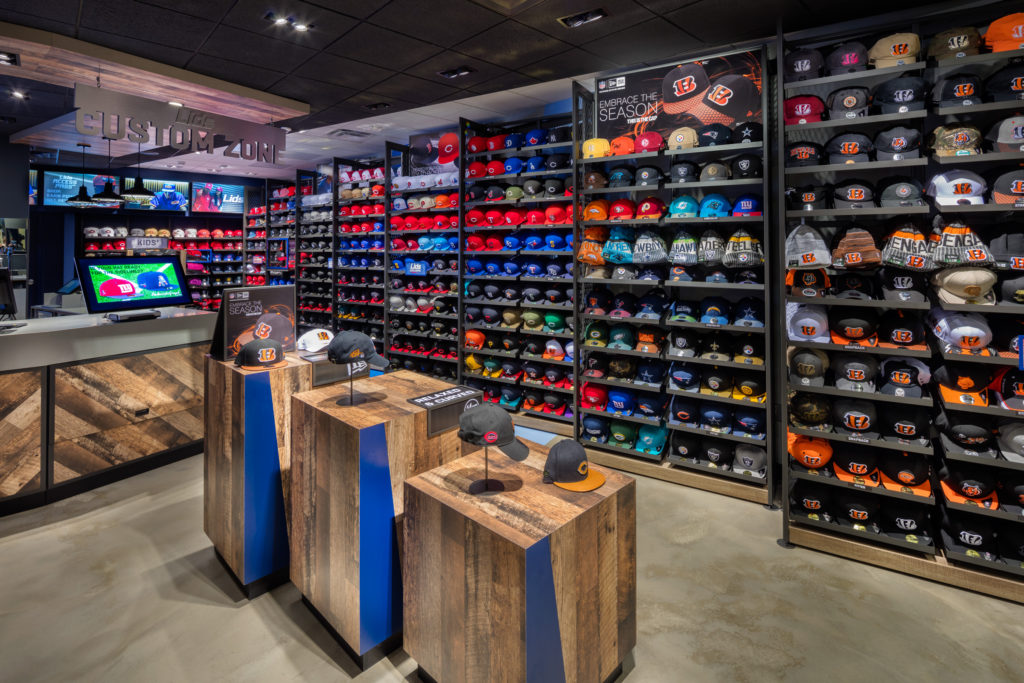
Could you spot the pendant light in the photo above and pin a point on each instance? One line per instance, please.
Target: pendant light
(138, 192)
(108, 196)
(82, 198)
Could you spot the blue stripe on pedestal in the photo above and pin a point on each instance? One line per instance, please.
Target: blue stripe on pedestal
(266, 538)
(543, 637)
(380, 578)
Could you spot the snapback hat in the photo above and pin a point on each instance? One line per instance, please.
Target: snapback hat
(902, 94)
(261, 354)
(567, 467)
(897, 144)
(491, 425)
(801, 65)
(847, 58)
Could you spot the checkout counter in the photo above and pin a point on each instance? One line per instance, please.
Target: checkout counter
(84, 401)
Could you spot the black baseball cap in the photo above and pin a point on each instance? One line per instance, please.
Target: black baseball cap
(714, 134)
(902, 94)
(260, 354)
(351, 347)
(903, 285)
(847, 58)
(747, 166)
(909, 522)
(847, 148)
(896, 144)
(747, 131)
(490, 425)
(684, 172)
(807, 198)
(802, 65)
(567, 467)
(958, 89)
(804, 154)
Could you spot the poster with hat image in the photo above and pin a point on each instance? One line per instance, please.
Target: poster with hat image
(432, 153)
(250, 313)
(677, 101)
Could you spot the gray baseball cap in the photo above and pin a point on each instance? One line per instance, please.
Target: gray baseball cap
(490, 425)
(855, 372)
(897, 144)
(807, 367)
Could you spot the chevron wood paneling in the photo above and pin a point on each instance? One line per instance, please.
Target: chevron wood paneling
(20, 432)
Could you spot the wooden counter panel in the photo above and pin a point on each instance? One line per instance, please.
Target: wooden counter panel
(21, 408)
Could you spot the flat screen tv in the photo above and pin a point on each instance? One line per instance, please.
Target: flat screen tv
(59, 187)
(169, 195)
(124, 284)
(217, 198)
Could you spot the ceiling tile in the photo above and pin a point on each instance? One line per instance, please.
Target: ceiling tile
(62, 11)
(411, 89)
(317, 94)
(509, 7)
(570, 63)
(482, 71)
(445, 22)
(621, 14)
(361, 9)
(368, 97)
(509, 79)
(648, 42)
(145, 22)
(255, 50)
(327, 25)
(369, 43)
(236, 72)
(141, 48)
(663, 6)
(759, 19)
(342, 71)
(511, 45)
(207, 9)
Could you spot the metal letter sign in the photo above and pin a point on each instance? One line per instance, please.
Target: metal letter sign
(118, 116)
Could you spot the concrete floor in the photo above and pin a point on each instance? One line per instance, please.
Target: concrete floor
(121, 584)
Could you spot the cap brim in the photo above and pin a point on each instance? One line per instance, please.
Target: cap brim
(953, 448)
(843, 475)
(799, 381)
(975, 398)
(947, 297)
(279, 364)
(924, 489)
(882, 155)
(867, 434)
(516, 450)
(953, 201)
(952, 496)
(867, 387)
(890, 389)
(903, 295)
(594, 480)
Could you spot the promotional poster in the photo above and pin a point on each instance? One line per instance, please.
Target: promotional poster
(725, 90)
(432, 153)
(249, 313)
(213, 198)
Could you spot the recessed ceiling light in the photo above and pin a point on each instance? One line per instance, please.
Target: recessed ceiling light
(299, 26)
(175, 104)
(9, 59)
(250, 173)
(577, 20)
(276, 19)
(18, 95)
(456, 72)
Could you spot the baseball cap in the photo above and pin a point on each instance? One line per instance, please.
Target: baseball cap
(847, 58)
(853, 326)
(897, 49)
(1008, 135)
(683, 377)
(804, 154)
(902, 378)
(683, 138)
(810, 411)
(902, 285)
(350, 346)
(682, 88)
(848, 103)
(1005, 33)
(802, 64)
(807, 367)
(963, 383)
(968, 485)
(746, 166)
(567, 467)
(729, 98)
(896, 144)
(808, 283)
(1009, 189)
(954, 43)
(901, 192)
(853, 194)
(1011, 440)
(1006, 85)
(806, 248)
(807, 197)
(855, 465)
(1008, 388)
(968, 534)
(716, 347)
(855, 372)
(957, 90)
(848, 148)
(854, 285)
(261, 354)
(747, 131)
(314, 340)
(957, 187)
(802, 109)
(955, 141)
(651, 439)
(966, 434)
(715, 170)
(622, 434)
(750, 460)
(715, 418)
(900, 329)
(715, 454)
(749, 422)
(810, 452)
(714, 134)
(906, 425)
(965, 285)
(491, 425)
(900, 95)
(856, 417)
(807, 322)
(812, 500)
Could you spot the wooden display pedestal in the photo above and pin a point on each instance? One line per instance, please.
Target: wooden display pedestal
(246, 468)
(534, 583)
(348, 466)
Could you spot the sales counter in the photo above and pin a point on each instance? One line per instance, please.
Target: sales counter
(84, 401)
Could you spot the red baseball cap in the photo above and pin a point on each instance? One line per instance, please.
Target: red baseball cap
(802, 109)
(649, 142)
(555, 214)
(475, 217)
(495, 143)
(492, 243)
(535, 217)
(594, 397)
(494, 217)
(447, 148)
(622, 209)
(495, 168)
(514, 217)
(476, 144)
(474, 243)
(477, 169)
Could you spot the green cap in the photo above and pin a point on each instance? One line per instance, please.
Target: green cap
(554, 321)
(514, 192)
(621, 337)
(622, 434)
(532, 319)
(596, 334)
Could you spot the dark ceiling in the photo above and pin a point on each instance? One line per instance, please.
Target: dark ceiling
(362, 52)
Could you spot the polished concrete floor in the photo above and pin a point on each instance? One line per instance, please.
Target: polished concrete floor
(121, 584)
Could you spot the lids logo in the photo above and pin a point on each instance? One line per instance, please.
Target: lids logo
(902, 336)
(849, 148)
(854, 193)
(860, 515)
(855, 374)
(898, 143)
(808, 197)
(963, 90)
(857, 421)
(857, 468)
(811, 504)
(684, 86)
(970, 490)
(268, 355)
(970, 538)
(963, 188)
(900, 49)
(720, 95)
(808, 330)
(903, 95)
(491, 437)
(800, 65)
(802, 109)
(262, 331)
(905, 429)
(906, 524)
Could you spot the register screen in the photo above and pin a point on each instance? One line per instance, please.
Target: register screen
(121, 284)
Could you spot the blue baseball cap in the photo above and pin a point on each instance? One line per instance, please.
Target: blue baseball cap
(537, 136)
(364, 262)
(714, 205)
(533, 268)
(513, 140)
(650, 372)
(748, 422)
(683, 311)
(650, 273)
(492, 267)
(513, 165)
(747, 205)
(749, 312)
(568, 239)
(396, 264)
(684, 378)
(511, 241)
(684, 206)
(364, 244)
(553, 269)
(378, 244)
(716, 275)
(715, 418)
(533, 241)
(168, 187)
(570, 350)
(598, 301)
(651, 439)
(510, 267)
(442, 244)
(555, 242)
(595, 429)
(453, 244)
(683, 411)
(535, 164)
(511, 397)
(474, 266)
(621, 401)
(651, 405)
(714, 310)
(652, 304)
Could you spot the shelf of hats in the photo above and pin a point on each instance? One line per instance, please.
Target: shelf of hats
(904, 262)
(518, 298)
(672, 254)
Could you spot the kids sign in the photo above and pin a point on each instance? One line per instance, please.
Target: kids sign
(119, 116)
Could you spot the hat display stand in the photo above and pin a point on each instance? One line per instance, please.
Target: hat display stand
(832, 501)
(613, 360)
(486, 486)
(516, 277)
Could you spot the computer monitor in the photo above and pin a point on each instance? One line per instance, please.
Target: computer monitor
(125, 284)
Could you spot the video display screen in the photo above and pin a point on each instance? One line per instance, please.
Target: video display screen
(171, 195)
(59, 187)
(217, 198)
(121, 284)
(33, 187)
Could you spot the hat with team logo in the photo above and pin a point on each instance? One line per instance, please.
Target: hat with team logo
(896, 144)
(968, 485)
(956, 141)
(683, 87)
(807, 367)
(1006, 33)
(903, 377)
(961, 89)
(806, 248)
(963, 383)
(260, 354)
(808, 283)
(729, 99)
(804, 153)
(855, 465)
(968, 534)
(1008, 389)
(957, 187)
(900, 329)
(810, 411)
(848, 103)
(853, 326)
(902, 94)
(966, 434)
(906, 424)
(898, 49)
(807, 198)
(807, 322)
(854, 372)
(856, 417)
(907, 248)
(811, 452)
(801, 65)
(853, 194)
(901, 192)
(1009, 188)
(802, 109)
(847, 58)
(965, 285)
(1007, 84)
(1008, 135)
(955, 43)
(856, 248)
(314, 340)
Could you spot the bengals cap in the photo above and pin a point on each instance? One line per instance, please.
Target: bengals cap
(260, 354)
(802, 109)
(899, 329)
(902, 94)
(968, 485)
(898, 49)
(901, 192)
(956, 141)
(855, 465)
(955, 43)
(804, 154)
(966, 434)
(810, 452)
(908, 522)
(350, 346)
(567, 467)
(906, 425)
(807, 198)
(1009, 189)
(729, 99)
(853, 326)
(856, 418)
(1007, 84)
(810, 411)
(855, 372)
(683, 87)
(847, 58)
(968, 534)
(963, 383)
(802, 65)
(957, 90)
(807, 367)
(848, 103)
(1006, 33)
(853, 194)
(849, 148)
(856, 510)
(903, 377)
(813, 500)
(896, 144)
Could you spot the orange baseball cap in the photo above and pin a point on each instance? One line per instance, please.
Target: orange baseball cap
(810, 452)
(969, 486)
(596, 210)
(856, 466)
(475, 339)
(622, 145)
(963, 384)
(1006, 33)
(905, 473)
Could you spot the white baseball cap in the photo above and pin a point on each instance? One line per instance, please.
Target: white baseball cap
(957, 187)
(315, 340)
(1011, 440)
(959, 331)
(807, 322)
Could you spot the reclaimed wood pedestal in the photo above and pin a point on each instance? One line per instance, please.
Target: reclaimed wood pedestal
(534, 583)
(246, 468)
(348, 467)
